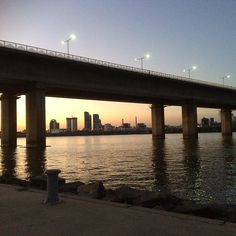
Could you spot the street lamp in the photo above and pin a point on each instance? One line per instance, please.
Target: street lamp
(225, 77)
(67, 42)
(147, 56)
(189, 70)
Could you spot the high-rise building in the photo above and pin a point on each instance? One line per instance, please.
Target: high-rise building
(205, 122)
(234, 119)
(87, 121)
(97, 125)
(54, 126)
(71, 124)
(212, 122)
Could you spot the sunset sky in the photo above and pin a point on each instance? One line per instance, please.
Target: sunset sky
(176, 33)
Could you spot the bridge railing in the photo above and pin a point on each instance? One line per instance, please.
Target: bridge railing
(38, 50)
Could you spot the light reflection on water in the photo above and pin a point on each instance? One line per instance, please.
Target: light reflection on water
(203, 170)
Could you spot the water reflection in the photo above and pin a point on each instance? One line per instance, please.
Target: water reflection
(160, 165)
(227, 141)
(191, 161)
(8, 162)
(35, 161)
(202, 170)
(229, 154)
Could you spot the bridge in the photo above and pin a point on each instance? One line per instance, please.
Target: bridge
(37, 73)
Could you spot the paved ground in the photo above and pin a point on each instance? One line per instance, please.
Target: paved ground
(23, 213)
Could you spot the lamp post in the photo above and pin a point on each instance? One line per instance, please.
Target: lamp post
(67, 42)
(147, 56)
(189, 70)
(225, 77)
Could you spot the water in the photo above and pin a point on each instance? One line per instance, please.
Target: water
(203, 170)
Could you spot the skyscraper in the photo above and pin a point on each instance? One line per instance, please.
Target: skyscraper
(97, 125)
(71, 124)
(205, 122)
(54, 126)
(87, 121)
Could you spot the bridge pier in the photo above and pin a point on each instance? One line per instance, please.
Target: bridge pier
(158, 121)
(189, 121)
(35, 118)
(8, 119)
(226, 122)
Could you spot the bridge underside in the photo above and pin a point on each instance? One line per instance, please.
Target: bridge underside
(111, 96)
(38, 76)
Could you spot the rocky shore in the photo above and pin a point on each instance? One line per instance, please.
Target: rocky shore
(125, 194)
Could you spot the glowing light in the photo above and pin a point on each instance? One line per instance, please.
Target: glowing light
(72, 36)
(147, 56)
(189, 70)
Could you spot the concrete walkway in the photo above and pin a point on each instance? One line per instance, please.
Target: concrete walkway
(22, 213)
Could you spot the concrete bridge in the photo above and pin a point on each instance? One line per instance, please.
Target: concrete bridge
(38, 73)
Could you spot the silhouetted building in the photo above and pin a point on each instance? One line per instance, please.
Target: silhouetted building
(136, 122)
(108, 127)
(212, 122)
(126, 125)
(87, 121)
(205, 122)
(141, 126)
(71, 124)
(234, 119)
(97, 125)
(54, 126)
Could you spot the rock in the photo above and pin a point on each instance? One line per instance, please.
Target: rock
(137, 197)
(217, 211)
(71, 187)
(41, 181)
(125, 194)
(93, 190)
(110, 195)
(14, 181)
(186, 207)
(167, 201)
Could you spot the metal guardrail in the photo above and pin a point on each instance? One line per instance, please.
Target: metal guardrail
(24, 47)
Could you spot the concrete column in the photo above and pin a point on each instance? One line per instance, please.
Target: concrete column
(35, 118)
(158, 121)
(226, 122)
(8, 119)
(189, 121)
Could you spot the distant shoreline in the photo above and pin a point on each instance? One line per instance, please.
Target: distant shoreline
(104, 133)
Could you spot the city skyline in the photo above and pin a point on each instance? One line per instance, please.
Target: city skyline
(182, 34)
(173, 114)
(82, 123)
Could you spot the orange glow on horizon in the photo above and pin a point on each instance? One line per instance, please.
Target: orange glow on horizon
(109, 112)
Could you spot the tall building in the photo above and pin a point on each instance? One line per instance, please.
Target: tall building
(97, 125)
(87, 121)
(212, 122)
(54, 126)
(136, 122)
(71, 124)
(205, 122)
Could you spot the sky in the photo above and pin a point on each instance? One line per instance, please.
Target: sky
(177, 33)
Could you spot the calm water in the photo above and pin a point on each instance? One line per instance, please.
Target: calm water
(202, 170)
